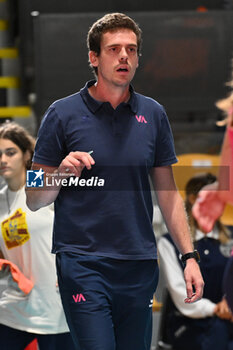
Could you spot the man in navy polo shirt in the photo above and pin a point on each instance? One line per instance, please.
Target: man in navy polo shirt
(114, 138)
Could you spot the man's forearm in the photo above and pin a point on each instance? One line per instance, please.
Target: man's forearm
(37, 198)
(172, 207)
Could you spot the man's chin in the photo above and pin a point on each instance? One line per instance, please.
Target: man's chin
(122, 83)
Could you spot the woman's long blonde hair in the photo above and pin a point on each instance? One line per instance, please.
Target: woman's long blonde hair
(226, 105)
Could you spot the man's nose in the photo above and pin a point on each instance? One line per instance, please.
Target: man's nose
(123, 54)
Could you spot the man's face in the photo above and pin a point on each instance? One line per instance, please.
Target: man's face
(118, 57)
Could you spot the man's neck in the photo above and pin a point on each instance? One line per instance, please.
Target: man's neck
(114, 95)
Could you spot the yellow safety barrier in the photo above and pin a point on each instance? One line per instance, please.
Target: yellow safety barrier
(9, 52)
(9, 82)
(3, 24)
(16, 111)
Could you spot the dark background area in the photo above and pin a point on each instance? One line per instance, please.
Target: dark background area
(179, 64)
(185, 63)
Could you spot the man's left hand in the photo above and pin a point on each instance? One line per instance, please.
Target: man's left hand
(193, 278)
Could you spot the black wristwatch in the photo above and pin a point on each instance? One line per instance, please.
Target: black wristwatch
(195, 255)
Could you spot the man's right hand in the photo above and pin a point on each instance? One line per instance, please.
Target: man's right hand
(74, 163)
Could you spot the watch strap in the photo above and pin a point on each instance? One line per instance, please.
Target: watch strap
(191, 255)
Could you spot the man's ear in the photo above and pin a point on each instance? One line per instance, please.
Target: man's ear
(93, 58)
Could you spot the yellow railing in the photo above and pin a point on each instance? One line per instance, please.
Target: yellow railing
(9, 82)
(8, 52)
(3, 24)
(16, 111)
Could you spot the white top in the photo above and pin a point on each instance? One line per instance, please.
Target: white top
(26, 239)
(174, 280)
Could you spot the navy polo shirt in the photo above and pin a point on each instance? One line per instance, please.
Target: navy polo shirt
(114, 220)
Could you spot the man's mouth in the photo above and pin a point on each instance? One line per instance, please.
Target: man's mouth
(122, 70)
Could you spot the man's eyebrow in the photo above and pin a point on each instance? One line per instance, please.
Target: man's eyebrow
(130, 44)
(10, 149)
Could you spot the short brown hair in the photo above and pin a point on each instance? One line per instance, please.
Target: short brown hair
(20, 136)
(110, 23)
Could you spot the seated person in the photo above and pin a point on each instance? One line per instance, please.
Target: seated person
(206, 324)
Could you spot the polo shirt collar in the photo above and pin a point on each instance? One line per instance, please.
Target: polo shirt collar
(133, 103)
(94, 105)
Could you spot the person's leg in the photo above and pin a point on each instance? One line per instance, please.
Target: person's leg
(11, 338)
(86, 301)
(133, 299)
(55, 342)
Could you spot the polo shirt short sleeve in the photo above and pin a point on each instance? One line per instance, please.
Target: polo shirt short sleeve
(52, 147)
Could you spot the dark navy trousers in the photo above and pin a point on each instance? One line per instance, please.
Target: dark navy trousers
(107, 302)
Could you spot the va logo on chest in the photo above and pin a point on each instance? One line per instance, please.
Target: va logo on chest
(140, 118)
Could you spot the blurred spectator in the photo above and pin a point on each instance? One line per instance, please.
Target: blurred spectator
(205, 325)
(211, 201)
(30, 304)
